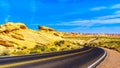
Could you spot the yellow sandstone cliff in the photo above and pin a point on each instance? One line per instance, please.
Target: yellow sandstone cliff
(17, 39)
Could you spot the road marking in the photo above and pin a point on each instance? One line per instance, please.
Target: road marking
(44, 59)
(92, 65)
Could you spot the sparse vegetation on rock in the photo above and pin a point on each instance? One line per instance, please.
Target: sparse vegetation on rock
(17, 39)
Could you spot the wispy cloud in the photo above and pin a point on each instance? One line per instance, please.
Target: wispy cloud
(109, 16)
(108, 19)
(75, 23)
(95, 30)
(115, 6)
(117, 12)
(98, 8)
(7, 18)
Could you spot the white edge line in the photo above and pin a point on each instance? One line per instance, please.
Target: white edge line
(97, 60)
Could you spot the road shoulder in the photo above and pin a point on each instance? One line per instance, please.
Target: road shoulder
(111, 61)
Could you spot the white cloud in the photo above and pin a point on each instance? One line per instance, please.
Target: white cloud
(75, 23)
(7, 18)
(109, 19)
(95, 30)
(115, 6)
(98, 8)
(109, 16)
(117, 12)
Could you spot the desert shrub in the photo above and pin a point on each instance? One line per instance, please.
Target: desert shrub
(38, 49)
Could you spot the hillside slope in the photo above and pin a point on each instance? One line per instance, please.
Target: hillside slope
(17, 39)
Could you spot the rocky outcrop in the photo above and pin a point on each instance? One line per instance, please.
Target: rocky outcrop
(45, 28)
(17, 35)
(50, 30)
(11, 26)
(17, 39)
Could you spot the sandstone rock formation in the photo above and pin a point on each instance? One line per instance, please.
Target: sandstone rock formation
(16, 38)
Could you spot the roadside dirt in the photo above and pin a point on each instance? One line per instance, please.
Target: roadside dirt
(112, 60)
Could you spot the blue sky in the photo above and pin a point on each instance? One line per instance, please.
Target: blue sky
(84, 16)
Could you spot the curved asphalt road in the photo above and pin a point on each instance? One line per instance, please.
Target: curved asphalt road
(87, 57)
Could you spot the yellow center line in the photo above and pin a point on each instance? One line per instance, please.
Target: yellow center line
(40, 60)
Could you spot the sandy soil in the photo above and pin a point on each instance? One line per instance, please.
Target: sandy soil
(112, 60)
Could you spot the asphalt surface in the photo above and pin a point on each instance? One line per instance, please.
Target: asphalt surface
(87, 57)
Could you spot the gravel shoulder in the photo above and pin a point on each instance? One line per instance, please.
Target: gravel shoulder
(112, 59)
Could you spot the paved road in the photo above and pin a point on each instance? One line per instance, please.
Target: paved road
(88, 57)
